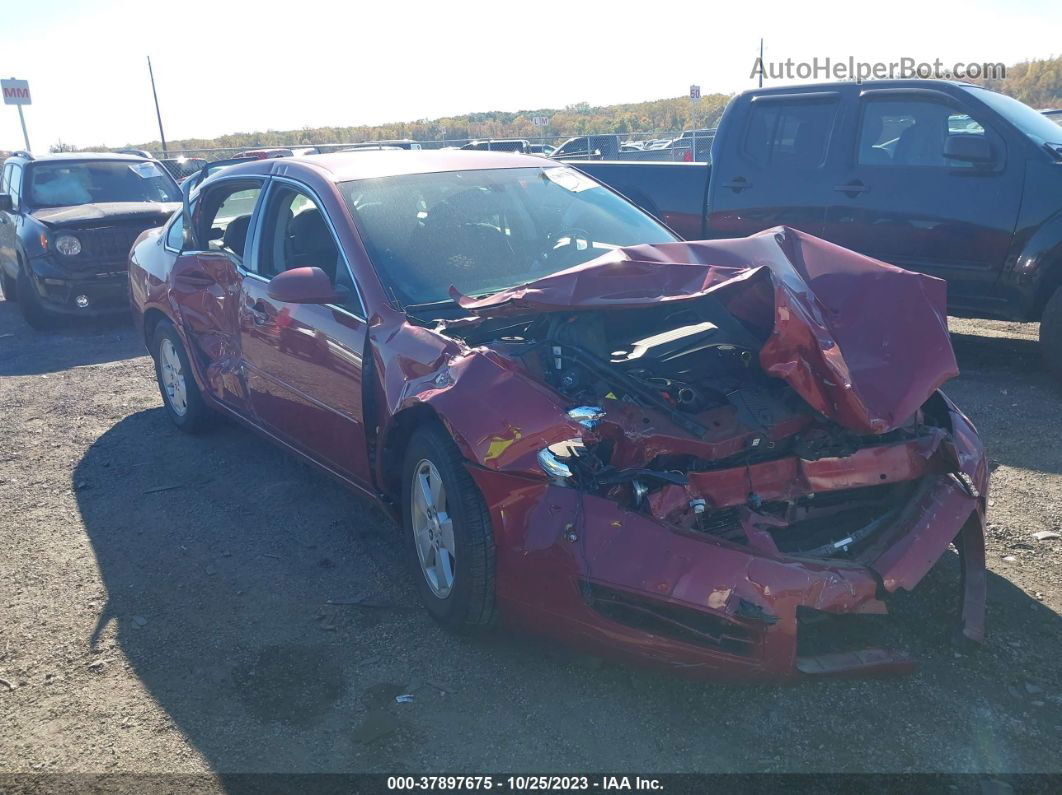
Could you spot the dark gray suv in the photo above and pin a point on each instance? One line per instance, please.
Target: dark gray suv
(67, 222)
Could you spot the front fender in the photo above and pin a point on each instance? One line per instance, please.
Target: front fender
(1037, 269)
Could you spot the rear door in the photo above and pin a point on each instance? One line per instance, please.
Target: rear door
(303, 362)
(7, 227)
(775, 164)
(900, 200)
(12, 222)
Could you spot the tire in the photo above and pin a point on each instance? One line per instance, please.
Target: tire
(7, 285)
(468, 604)
(1051, 334)
(36, 315)
(180, 395)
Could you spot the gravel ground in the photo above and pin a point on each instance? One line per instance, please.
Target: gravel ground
(163, 607)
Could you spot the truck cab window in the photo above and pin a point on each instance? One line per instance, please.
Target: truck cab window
(789, 134)
(911, 132)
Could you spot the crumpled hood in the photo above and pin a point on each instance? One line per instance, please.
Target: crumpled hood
(863, 342)
(108, 211)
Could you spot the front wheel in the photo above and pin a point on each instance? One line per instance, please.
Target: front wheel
(449, 540)
(180, 394)
(1051, 334)
(34, 312)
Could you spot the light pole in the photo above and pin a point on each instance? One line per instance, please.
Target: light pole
(158, 113)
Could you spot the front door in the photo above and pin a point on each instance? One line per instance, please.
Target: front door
(901, 201)
(303, 362)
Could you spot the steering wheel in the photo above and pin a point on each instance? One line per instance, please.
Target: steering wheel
(574, 234)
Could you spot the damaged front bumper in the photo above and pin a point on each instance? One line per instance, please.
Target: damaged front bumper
(608, 579)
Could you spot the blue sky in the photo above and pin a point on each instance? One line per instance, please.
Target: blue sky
(228, 67)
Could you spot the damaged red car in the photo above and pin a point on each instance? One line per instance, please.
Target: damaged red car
(677, 452)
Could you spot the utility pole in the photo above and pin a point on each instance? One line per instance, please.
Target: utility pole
(158, 113)
(761, 69)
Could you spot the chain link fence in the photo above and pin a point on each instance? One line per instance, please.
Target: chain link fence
(682, 146)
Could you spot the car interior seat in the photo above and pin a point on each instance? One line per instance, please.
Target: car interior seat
(312, 244)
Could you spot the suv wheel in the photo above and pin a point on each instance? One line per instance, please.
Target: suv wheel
(449, 540)
(1051, 333)
(33, 310)
(180, 394)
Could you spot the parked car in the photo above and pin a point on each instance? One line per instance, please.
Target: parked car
(681, 453)
(693, 146)
(264, 154)
(588, 147)
(66, 224)
(1054, 115)
(499, 145)
(939, 177)
(181, 168)
(401, 143)
(545, 150)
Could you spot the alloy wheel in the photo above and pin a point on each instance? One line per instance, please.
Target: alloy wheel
(433, 529)
(171, 376)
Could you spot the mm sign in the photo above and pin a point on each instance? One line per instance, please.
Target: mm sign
(16, 92)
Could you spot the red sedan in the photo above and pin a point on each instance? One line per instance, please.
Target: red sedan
(690, 454)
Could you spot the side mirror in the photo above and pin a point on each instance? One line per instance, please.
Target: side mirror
(6, 203)
(968, 148)
(303, 286)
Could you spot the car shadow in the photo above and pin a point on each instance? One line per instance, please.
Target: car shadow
(74, 342)
(269, 613)
(1011, 398)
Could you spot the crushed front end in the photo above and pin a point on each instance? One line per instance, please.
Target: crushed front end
(693, 448)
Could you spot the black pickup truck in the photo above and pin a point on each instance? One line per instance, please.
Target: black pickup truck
(935, 176)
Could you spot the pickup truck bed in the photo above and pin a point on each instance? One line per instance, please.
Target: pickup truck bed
(674, 193)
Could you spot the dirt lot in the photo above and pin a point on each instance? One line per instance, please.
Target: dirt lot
(164, 608)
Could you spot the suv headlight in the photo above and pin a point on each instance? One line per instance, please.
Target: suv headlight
(68, 245)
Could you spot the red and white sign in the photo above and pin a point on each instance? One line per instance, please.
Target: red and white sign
(16, 92)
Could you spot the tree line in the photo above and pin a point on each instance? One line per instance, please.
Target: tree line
(1038, 83)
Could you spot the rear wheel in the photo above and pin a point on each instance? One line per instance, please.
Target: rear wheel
(1051, 333)
(30, 304)
(449, 540)
(180, 394)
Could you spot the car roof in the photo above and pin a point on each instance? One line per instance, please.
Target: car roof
(371, 164)
(913, 82)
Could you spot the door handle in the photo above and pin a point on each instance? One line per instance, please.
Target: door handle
(853, 188)
(738, 184)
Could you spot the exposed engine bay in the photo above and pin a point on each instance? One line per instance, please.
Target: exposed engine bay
(681, 422)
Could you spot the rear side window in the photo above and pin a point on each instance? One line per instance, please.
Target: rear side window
(224, 216)
(789, 134)
(14, 184)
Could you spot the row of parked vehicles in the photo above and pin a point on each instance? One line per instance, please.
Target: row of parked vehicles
(687, 453)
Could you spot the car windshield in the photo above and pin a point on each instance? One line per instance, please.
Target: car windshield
(486, 230)
(62, 184)
(1031, 122)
